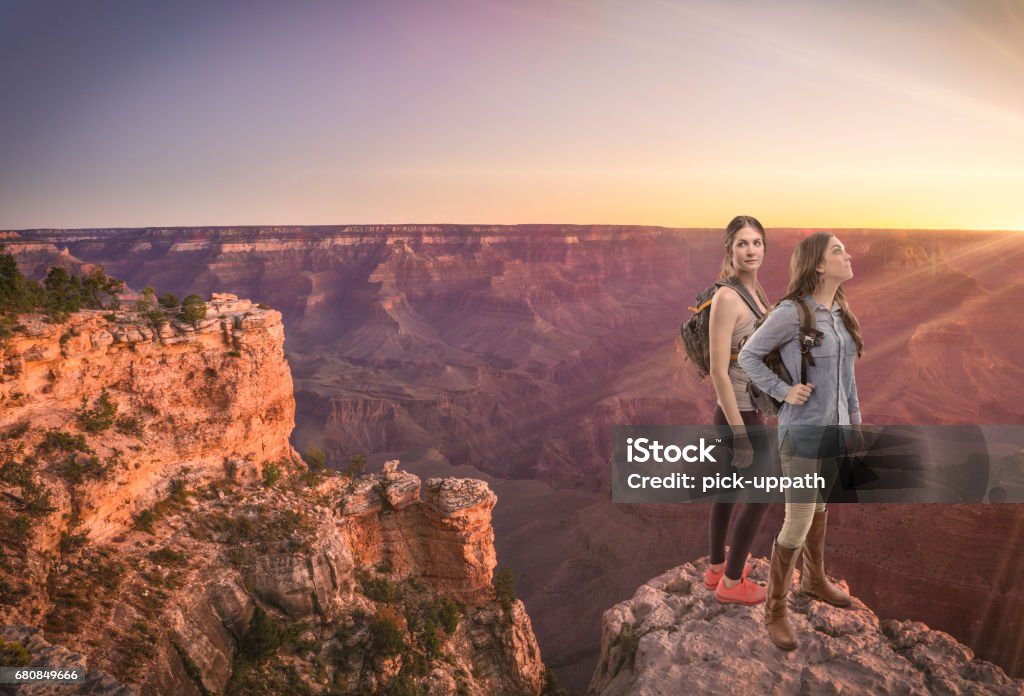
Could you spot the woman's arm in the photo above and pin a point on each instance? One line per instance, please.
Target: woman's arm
(726, 311)
(780, 327)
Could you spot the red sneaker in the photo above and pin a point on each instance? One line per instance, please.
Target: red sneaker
(743, 592)
(711, 578)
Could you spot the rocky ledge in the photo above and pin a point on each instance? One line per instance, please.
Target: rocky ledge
(673, 637)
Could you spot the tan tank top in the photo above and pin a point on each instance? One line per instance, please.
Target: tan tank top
(737, 376)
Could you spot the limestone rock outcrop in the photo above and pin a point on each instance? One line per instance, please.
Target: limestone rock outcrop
(672, 637)
(163, 529)
(445, 538)
(197, 400)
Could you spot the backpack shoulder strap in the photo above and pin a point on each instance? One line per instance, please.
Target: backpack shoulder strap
(734, 283)
(808, 327)
(808, 324)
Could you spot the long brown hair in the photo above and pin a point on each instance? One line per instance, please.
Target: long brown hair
(734, 226)
(804, 280)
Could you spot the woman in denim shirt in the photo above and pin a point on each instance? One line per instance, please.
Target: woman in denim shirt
(808, 442)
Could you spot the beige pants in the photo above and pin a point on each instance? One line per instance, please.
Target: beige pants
(801, 504)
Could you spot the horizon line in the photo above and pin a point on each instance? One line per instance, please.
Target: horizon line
(515, 224)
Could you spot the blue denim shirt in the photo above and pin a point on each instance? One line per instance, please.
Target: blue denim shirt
(834, 398)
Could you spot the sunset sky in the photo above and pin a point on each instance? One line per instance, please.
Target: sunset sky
(826, 114)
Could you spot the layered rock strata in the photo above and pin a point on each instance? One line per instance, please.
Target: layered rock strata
(199, 398)
(446, 538)
(157, 524)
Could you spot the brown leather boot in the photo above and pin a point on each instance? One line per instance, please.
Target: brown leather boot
(780, 575)
(813, 580)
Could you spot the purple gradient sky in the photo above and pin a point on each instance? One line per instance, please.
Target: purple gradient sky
(803, 113)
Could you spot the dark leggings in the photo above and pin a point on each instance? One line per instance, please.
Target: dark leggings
(744, 527)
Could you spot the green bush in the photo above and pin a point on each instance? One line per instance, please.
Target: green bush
(56, 440)
(448, 614)
(178, 491)
(19, 528)
(315, 459)
(13, 654)
(69, 542)
(36, 499)
(144, 520)
(264, 637)
(16, 432)
(100, 416)
(169, 300)
(76, 471)
(379, 589)
(387, 638)
(156, 318)
(193, 308)
(552, 686)
(129, 425)
(401, 685)
(356, 465)
(18, 473)
(169, 557)
(17, 293)
(271, 473)
(505, 588)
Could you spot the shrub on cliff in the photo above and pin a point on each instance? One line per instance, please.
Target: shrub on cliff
(16, 431)
(356, 465)
(144, 521)
(193, 308)
(552, 686)
(129, 425)
(17, 293)
(505, 588)
(147, 301)
(156, 318)
(63, 294)
(387, 637)
(264, 637)
(448, 613)
(82, 467)
(60, 293)
(100, 291)
(271, 473)
(378, 588)
(17, 473)
(34, 500)
(169, 301)
(59, 441)
(13, 654)
(315, 459)
(100, 416)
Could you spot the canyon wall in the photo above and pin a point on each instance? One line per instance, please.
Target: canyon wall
(514, 350)
(159, 531)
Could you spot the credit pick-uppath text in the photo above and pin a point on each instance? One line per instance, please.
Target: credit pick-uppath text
(641, 450)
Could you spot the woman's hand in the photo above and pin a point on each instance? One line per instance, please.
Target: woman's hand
(799, 394)
(742, 451)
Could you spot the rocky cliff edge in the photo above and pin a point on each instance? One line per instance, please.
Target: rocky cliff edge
(158, 531)
(673, 637)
